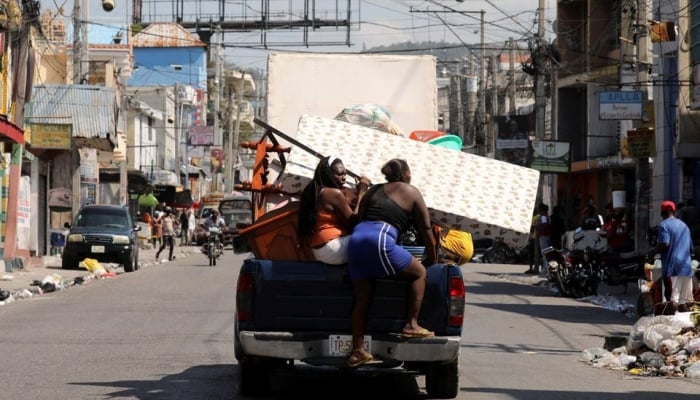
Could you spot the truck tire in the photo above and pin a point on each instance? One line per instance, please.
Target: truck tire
(254, 377)
(442, 380)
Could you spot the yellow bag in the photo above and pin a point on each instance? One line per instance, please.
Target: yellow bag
(92, 265)
(458, 245)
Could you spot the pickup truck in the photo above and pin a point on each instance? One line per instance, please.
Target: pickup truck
(299, 311)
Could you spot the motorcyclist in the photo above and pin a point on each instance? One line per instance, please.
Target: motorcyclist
(215, 220)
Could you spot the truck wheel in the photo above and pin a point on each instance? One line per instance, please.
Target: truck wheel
(442, 380)
(255, 376)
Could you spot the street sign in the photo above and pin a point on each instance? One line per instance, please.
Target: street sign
(620, 105)
(641, 143)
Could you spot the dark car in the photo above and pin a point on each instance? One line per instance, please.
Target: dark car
(106, 233)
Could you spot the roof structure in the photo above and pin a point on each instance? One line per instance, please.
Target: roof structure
(92, 110)
(166, 35)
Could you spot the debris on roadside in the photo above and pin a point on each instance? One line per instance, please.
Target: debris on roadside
(664, 345)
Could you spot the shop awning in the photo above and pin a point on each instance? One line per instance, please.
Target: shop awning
(10, 132)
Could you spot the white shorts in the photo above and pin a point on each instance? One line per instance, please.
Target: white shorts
(334, 252)
(682, 289)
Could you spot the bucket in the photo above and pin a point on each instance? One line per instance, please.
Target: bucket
(618, 199)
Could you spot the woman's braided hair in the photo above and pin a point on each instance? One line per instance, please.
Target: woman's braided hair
(308, 206)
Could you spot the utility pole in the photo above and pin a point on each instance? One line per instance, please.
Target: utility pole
(228, 136)
(217, 96)
(178, 135)
(237, 130)
(511, 74)
(481, 123)
(540, 99)
(79, 42)
(460, 107)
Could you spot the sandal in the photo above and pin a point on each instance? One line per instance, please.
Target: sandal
(357, 359)
(420, 333)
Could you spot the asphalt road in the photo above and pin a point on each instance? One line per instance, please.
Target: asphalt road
(166, 332)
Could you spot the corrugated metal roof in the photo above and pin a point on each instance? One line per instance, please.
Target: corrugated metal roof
(165, 35)
(91, 109)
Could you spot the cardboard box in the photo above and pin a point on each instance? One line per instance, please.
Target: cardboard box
(486, 197)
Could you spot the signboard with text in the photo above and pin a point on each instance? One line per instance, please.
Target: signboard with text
(51, 136)
(550, 156)
(620, 105)
(200, 136)
(641, 143)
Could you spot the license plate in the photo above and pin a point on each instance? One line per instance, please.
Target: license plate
(97, 249)
(340, 345)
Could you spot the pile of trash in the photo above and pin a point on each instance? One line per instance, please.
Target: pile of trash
(54, 282)
(663, 345)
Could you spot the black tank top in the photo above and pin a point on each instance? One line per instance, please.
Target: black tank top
(380, 207)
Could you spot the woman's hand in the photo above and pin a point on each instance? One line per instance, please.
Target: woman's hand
(363, 184)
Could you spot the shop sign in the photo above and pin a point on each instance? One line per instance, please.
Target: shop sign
(620, 105)
(641, 143)
(550, 156)
(51, 136)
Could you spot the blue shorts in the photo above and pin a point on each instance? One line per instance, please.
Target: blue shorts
(373, 252)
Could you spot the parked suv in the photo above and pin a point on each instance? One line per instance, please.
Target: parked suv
(106, 233)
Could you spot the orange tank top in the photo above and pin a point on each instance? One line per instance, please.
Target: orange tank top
(328, 227)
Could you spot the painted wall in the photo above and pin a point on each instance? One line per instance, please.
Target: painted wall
(161, 66)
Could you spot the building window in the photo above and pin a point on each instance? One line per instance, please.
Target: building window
(150, 129)
(694, 32)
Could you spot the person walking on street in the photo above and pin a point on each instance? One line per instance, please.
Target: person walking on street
(168, 225)
(191, 225)
(532, 246)
(558, 228)
(543, 230)
(184, 226)
(674, 244)
(386, 211)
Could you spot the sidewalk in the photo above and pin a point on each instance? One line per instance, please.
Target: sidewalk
(614, 298)
(46, 272)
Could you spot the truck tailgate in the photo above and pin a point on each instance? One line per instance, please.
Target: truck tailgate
(312, 296)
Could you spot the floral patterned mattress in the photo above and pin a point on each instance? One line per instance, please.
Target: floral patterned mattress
(486, 197)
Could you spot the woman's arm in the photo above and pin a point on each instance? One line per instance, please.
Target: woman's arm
(421, 218)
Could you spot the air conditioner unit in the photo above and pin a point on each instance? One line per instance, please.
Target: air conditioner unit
(186, 95)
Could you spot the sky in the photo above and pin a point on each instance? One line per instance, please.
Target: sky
(374, 23)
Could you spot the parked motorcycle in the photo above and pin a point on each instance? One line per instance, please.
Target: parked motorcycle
(576, 273)
(501, 253)
(214, 247)
(621, 268)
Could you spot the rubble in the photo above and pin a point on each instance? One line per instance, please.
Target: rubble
(664, 345)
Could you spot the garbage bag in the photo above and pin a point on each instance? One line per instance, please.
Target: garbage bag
(370, 116)
(93, 266)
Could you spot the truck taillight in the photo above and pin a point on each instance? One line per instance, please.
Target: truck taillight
(457, 293)
(244, 296)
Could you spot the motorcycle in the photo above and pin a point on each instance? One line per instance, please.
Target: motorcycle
(576, 273)
(214, 247)
(621, 268)
(501, 253)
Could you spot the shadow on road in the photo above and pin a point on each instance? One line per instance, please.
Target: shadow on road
(222, 381)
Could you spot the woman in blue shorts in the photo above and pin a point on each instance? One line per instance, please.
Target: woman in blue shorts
(386, 211)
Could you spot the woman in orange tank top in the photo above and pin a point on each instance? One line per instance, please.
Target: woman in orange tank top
(326, 217)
